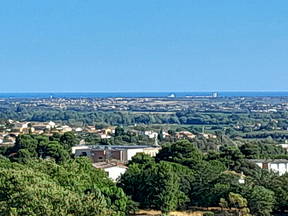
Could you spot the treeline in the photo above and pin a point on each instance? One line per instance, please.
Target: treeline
(90, 118)
(262, 135)
(245, 122)
(182, 177)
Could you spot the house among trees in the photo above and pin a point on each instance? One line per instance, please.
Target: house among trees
(278, 165)
(113, 169)
(100, 153)
(284, 146)
(185, 134)
(111, 159)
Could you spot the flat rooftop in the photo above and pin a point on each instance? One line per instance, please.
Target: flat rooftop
(268, 160)
(103, 147)
(105, 165)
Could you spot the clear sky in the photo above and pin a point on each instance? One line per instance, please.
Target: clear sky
(143, 45)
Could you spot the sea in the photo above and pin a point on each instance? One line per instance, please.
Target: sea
(144, 94)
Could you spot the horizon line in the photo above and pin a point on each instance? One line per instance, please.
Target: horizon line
(176, 91)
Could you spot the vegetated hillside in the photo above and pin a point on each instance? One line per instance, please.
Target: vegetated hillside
(40, 173)
(182, 177)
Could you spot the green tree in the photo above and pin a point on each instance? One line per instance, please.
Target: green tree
(73, 187)
(31, 146)
(182, 152)
(206, 175)
(231, 156)
(141, 158)
(68, 140)
(261, 201)
(119, 131)
(56, 151)
(237, 202)
(153, 185)
(279, 186)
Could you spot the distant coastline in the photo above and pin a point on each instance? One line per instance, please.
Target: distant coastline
(143, 94)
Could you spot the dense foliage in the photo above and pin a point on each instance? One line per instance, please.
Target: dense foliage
(29, 147)
(42, 187)
(42, 178)
(250, 123)
(181, 176)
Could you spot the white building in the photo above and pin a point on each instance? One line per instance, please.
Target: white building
(77, 150)
(278, 165)
(78, 129)
(208, 136)
(185, 134)
(151, 134)
(105, 136)
(124, 154)
(64, 128)
(50, 125)
(113, 170)
(284, 146)
(111, 159)
(165, 134)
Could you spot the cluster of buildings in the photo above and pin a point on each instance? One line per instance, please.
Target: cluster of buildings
(11, 129)
(162, 104)
(113, 159)
(178, 135)
(189, 135)
(105, 133)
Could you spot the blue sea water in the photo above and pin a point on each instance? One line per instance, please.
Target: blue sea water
(141, 94)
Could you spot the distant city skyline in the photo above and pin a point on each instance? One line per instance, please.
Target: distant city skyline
(143, 46)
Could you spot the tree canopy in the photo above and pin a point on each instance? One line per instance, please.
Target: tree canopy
(42, 187)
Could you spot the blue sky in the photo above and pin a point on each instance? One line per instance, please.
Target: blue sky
(143, 45)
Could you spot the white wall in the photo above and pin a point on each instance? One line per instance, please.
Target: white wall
(115, 172)
(75, 148)
(281, 168)
(132, 152)
(260, 165)
(79, 152)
